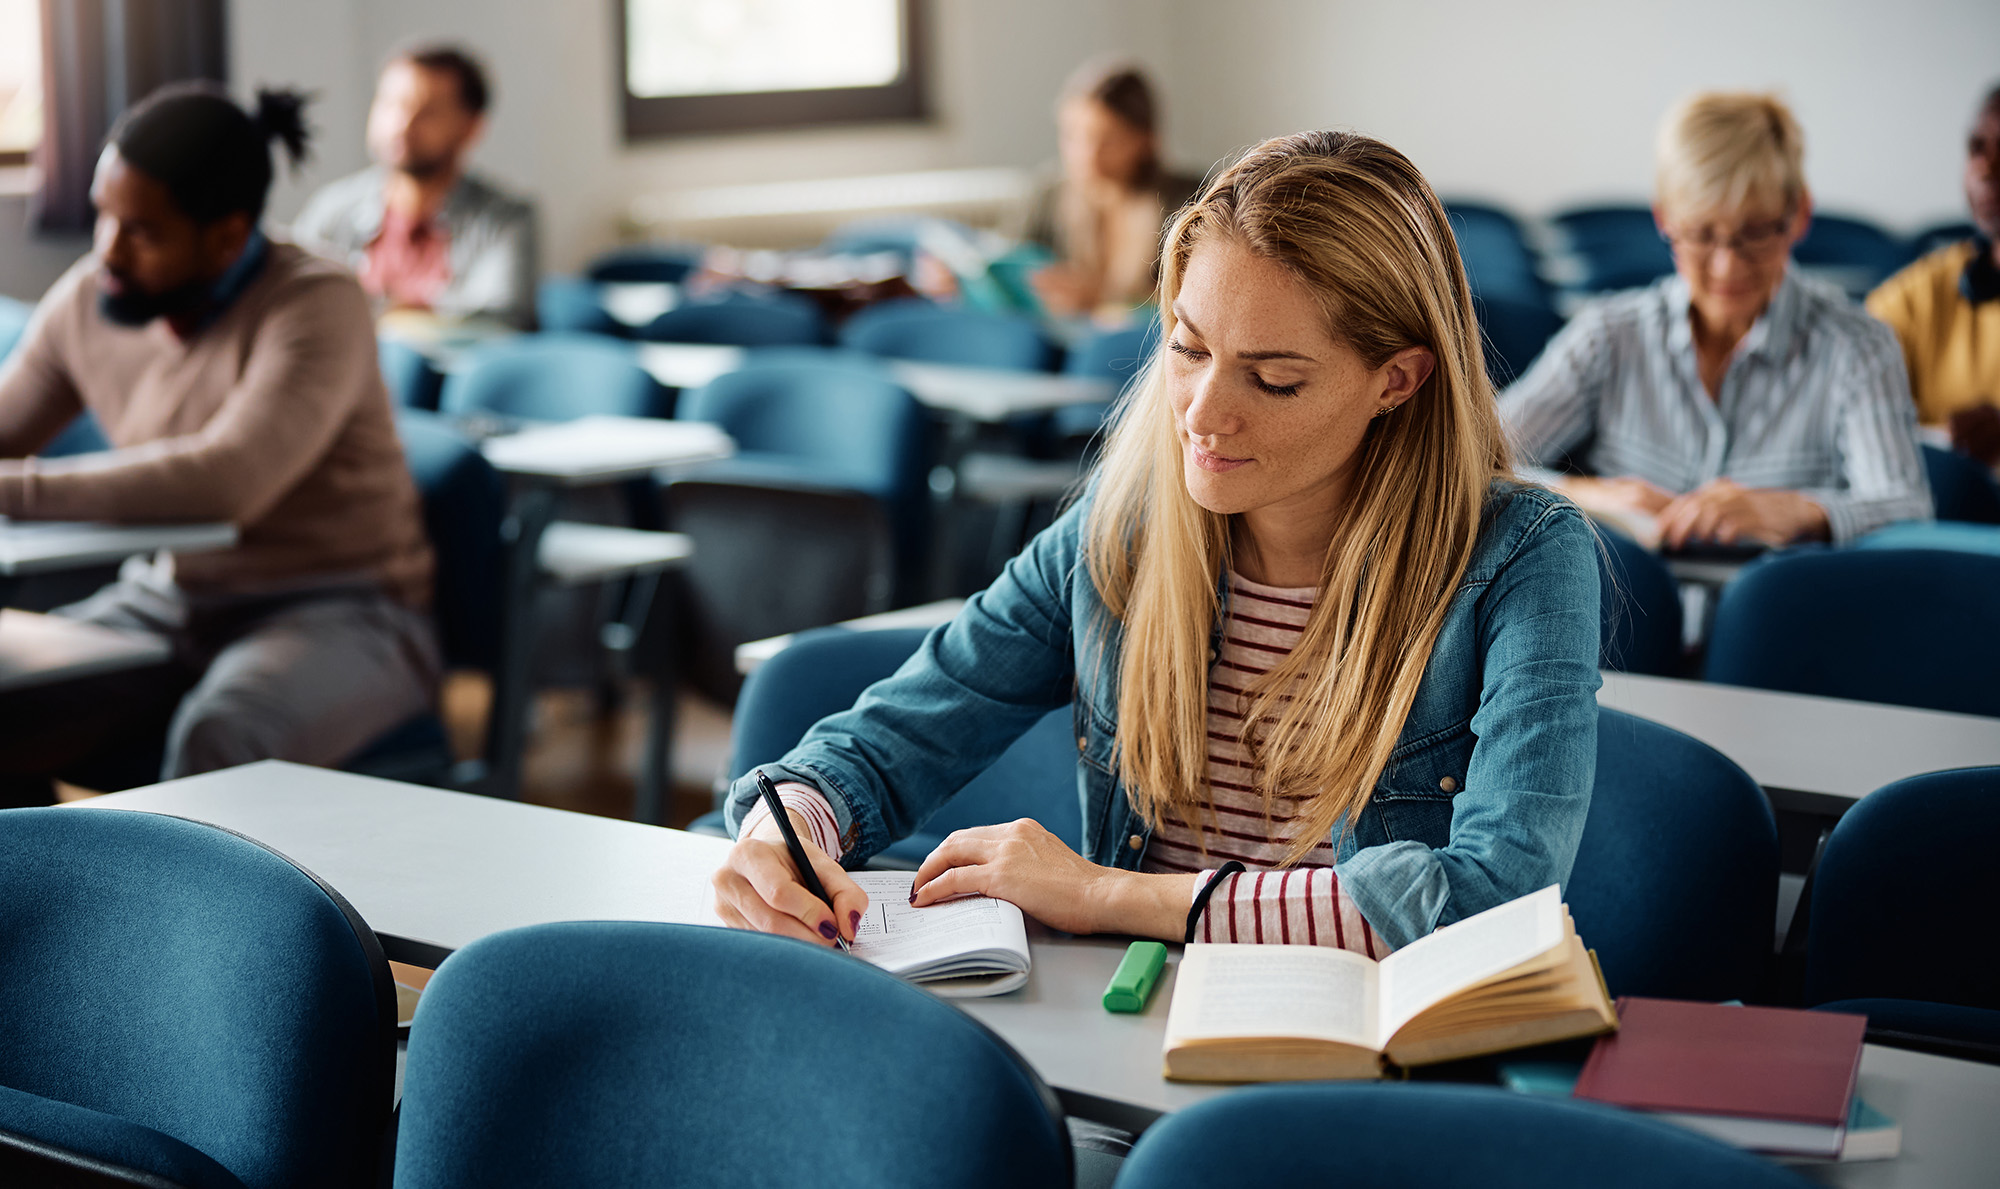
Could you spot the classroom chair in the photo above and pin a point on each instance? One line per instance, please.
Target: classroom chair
(414, 382)
(1434, 1135)
(1961, 488)
(1115, 355)
(182, 1006)
(637, 1054)
(930, 333)
(1910, 627)
(740, 320)
(646, 264)
(1494, 249)
(1675, 883)
(81, 436)
(1930, 239)
(1641, 608)
(1899, 898)
(574, 305)
(553, 377)
(1617, 247)
(1853, 253)
(14, 317)
(1514, 329)
(824, 671)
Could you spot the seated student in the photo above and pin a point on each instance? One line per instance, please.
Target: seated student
(1102, 217)
(236, 378)
(1306, 618)
(1735, 401)
(420, 231)
(1946, 309)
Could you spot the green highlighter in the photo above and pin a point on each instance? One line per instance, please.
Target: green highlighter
(1133, 984)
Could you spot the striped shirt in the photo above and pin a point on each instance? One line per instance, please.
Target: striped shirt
(1267, 903)
(1816, 400)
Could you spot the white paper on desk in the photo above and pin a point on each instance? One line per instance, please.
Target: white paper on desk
(590, 444)
(960, 949)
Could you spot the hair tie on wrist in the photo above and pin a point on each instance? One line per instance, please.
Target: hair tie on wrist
(1232, 867)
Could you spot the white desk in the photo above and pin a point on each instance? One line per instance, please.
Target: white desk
(432, 871)
(37, 650)
(41, 546)
(1812, 754)
(749, 657)
(599, 449)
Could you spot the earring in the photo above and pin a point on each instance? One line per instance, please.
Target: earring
(1385, 410)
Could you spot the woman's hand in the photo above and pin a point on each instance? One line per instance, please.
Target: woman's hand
(1727, 512)
(1617, 494)
(1025, 865)
(757, 887)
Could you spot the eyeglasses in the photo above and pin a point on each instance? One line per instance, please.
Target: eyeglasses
(1755, 239)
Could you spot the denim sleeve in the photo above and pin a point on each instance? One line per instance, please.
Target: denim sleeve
(976, 684)
(1516, 825)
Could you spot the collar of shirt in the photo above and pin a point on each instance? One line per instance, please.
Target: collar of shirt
(1981, 279)
(1771, 336)
(368, 217)
(233, 281)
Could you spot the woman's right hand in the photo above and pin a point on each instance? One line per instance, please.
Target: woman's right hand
(757, 887)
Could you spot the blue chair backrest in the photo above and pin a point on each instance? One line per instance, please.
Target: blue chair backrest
(1911, 627)
(628, 1053)
(14, 317)
(553, 377)
(1961, 489)
(465, 501)
(1903, 891)
(1676, 880)
(824, 671)
(741, 320)
(81, 436)
(196, 986)
(1620, 246)
(1498, 261)
(574, 305)
(414, 382)
(1853, 253)
(1641, 607)
(932, 333)
(668, 263)
(1115, 355)
(1930, 239)
(1516, 329)
(1437, 1136)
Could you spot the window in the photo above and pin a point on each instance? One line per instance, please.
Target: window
(20, 80)
(729, 65)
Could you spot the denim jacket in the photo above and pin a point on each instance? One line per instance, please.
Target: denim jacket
(1483, 798)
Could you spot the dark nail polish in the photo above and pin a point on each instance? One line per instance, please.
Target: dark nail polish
(913, 895)
(827, 930)
(854, 921)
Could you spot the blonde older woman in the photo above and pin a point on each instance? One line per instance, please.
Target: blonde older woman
(1734, 401)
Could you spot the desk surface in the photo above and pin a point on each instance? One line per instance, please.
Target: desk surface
(591, 450)
(40, 546)
(38, 650)
(432, 871)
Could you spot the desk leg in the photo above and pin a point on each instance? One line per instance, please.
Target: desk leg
(946, 500)
(513, 680)
(652, 616)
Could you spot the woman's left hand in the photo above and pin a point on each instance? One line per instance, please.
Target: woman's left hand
(1023, 864)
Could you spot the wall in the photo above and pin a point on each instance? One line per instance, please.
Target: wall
(1547, 104)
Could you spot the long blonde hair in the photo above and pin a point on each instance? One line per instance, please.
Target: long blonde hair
(1354, 220)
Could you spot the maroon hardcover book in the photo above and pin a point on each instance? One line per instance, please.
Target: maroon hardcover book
(1773, 1079)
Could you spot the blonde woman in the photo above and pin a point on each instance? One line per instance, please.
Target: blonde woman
(1734, 401)
(1305, 619)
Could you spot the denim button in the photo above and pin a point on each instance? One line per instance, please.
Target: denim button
(1448, 784)
(1082, 744)
(1135, 842)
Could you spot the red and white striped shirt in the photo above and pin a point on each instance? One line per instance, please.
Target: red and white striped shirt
(1302, 905)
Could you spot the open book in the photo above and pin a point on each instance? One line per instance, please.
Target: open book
(961, 948)
(1511, 976)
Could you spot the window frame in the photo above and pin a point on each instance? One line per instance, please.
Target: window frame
(905, 98)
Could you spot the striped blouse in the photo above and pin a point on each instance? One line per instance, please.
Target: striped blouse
(1816, 400)
(1267, 903)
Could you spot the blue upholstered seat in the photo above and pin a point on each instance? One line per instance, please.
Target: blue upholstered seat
(1676, 879)
(179, 1000)
(554, 377)
(574, 305)
(414, 382)
(1897, 901)
(1961, 489)
(1641, 607)
(1115, 355)
(631, 1054)
(1392, 1136)
(741, 320)
(14, 315)
(1619, 246)
(932, 333)
(646, 264)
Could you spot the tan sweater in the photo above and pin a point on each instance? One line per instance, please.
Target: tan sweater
(273, 418)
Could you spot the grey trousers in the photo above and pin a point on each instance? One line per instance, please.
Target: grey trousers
(311, 677)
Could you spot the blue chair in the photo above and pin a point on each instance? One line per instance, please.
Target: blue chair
(1515, 329)
(1956, 535)
(553, 377)
(182, 1006)
(14, 317)
(1437, 1136)
(825, 671)
(1961, 489)
(1641, 608)
(1619, 246)
(1910, 627)
(633, 1054)
(932, 333)
(573, 305)
(1676, 879)
(741, 320)
(81, 436)
(414, 382)
(1898, 900)
(1930, 239)
(1115, 355)
(1498, 261)
(653, 263)
(1853, 253)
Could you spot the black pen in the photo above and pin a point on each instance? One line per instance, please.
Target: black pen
(799, 859)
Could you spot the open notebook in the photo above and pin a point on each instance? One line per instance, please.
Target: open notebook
(961, 949)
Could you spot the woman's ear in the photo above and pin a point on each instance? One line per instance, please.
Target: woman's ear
(1404, 373)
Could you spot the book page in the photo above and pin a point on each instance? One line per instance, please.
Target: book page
(1430, 969)
(902, 939)
(1226, 991)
